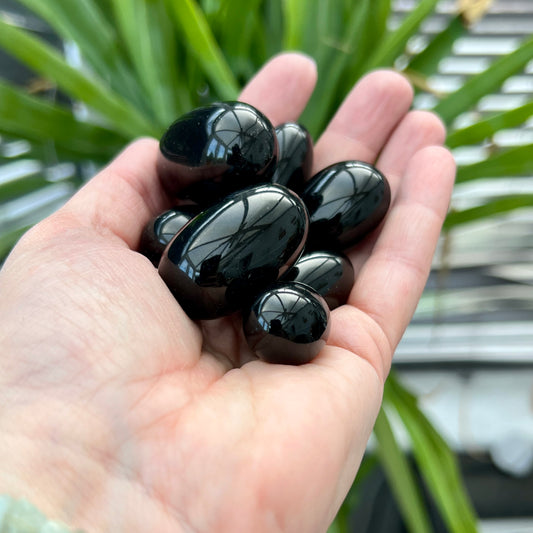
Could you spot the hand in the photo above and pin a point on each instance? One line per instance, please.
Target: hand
(120, 414)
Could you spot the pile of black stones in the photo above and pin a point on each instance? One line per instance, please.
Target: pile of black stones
(252, 231)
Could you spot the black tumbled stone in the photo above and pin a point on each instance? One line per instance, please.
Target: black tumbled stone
(218, 149)
(345, 201)
(295, 156)
(160, 230)
(328, 273)
(230, 252)
(287, 324)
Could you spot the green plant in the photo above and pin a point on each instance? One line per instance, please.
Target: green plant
(147, 61)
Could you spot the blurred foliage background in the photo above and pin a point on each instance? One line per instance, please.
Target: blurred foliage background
(125, 68)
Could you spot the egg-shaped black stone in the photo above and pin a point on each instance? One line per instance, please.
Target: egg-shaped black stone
(345, 201)
(328, 273)
(160, 230)
(227, 146)
(295, 156)
(288, 324)
(230, 252)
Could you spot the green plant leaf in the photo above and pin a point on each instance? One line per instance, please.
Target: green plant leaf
(326, 93)
(512, 162)
(150, 38)
(394, 44)
(274, 24)
(380, 17)
(200, 40)
(44, 59)
(31, 118)
(427, 61)
(488, 209)
(295, 27)
(484, 129)
(76, 22)
(371, 30)
(211, 7)
(17, 187)
(400, 477)
(437, 463)
(325, 34)
(341, 524)
(9, 239)
(237, 45)
(484, 83)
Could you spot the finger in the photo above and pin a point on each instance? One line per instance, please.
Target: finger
(365, 120)
(120, 200)
(328, 407)
(391, 281)
(282, 88)
(415, 131)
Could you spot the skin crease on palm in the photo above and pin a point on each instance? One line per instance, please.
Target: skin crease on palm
(119, 414)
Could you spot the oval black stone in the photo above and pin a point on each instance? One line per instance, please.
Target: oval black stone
(288, 324)
(328, 273)
(160, 230)
(230, 252)
(295, 156)
(345, 201)
(232, 145)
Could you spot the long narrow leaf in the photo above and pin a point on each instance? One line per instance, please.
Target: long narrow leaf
(76, 22)
(341, 524)
(394, 44)
(319, 109)
(327, 35)
(400, 477)
(150, 37)
(293, 11)
(29, 117)
(488, 209)
(427, 61)
(211, 7)
(370, 30)
(379, 17)
(18, 187)
(44, 59)
(237, 44)
(9, 239)
(516, 161)
(274, 23)
(201, 42)
(485, 129)
(483, 83)
(436, 461)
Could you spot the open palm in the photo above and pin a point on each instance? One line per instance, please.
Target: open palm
(119, 414)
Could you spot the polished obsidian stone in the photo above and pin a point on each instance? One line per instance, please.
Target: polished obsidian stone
(295, 156)
(161, 229)
(288, 324)
(328, 273)
(345, 201)
(230, 252)
(226, 146)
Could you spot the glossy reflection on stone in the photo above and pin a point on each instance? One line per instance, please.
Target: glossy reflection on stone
(226, 146)
(161, 230)
(295, 156)
(345, 201)
(287, 324)
(328, 273)
(230, 252)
